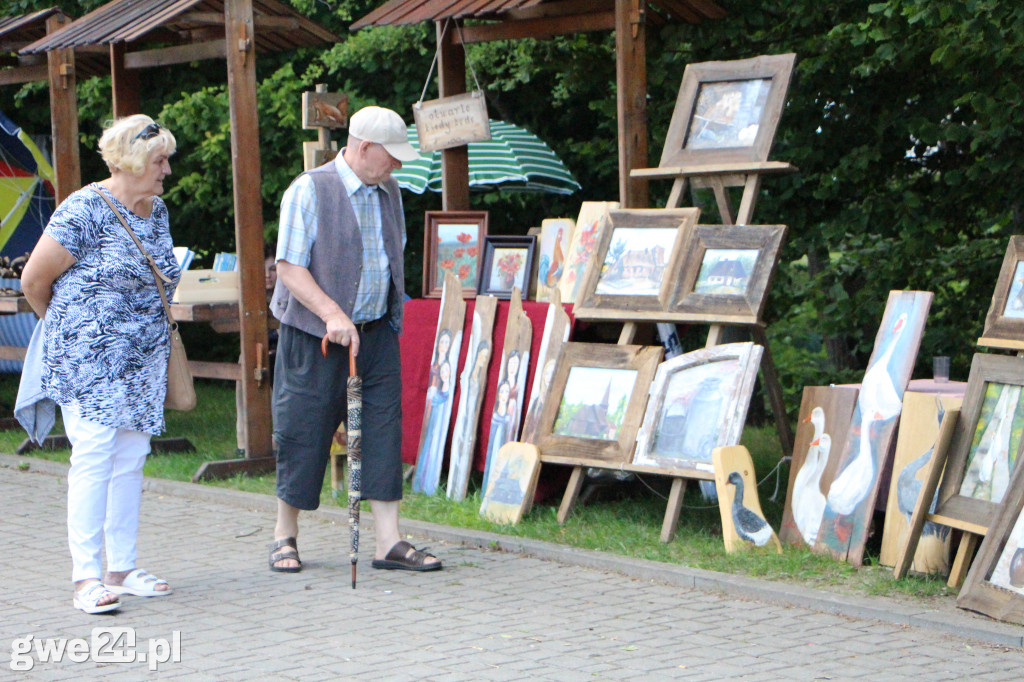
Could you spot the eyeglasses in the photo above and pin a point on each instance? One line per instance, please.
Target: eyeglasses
(149, 132)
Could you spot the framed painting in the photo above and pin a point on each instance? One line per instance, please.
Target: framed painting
(630, 271)
(725, 273)
(507, 264)
(596, 401)
(1005, 319)
(986, 443)
(452, 242)
(727, 111)
(995, 583)
(698, 402)
(324, 110)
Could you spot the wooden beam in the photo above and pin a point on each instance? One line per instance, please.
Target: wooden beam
(124, 85)
(451, 79)
(631, 99)
(245, 165)
(179, 54)
(538, 28)
(67, 165)
(263, 21)
(23, 74)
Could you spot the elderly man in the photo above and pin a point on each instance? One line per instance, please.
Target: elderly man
(340, 274)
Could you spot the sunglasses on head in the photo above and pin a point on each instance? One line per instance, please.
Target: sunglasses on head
(149, 132)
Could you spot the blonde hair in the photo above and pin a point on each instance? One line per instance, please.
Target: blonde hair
(122, 149)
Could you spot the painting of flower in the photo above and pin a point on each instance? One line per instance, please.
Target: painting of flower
(507, 265)
(452, 242)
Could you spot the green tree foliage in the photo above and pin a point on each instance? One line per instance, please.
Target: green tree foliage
(902, 118)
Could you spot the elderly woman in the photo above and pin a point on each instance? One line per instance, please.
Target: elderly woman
(105, 351)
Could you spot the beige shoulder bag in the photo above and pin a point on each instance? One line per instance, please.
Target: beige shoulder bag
(181, 394)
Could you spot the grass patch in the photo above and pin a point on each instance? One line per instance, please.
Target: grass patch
(621, 518)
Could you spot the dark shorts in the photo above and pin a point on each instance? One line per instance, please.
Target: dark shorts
(309, 404)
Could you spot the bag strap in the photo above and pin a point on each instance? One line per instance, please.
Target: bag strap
(160, 277)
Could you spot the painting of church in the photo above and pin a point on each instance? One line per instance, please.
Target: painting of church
(594, 403)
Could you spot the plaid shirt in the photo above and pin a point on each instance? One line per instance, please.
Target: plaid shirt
(298, 228)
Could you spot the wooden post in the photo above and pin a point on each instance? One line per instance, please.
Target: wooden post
(451, 79)
(63, 115)
(252, 304)
(631, 99)
(124, 84)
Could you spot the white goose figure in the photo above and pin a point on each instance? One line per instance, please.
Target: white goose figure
(878, 401)
(813, 504)
(802, 484)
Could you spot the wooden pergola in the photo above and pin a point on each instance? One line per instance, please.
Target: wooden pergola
(142, 34)
(516, 19)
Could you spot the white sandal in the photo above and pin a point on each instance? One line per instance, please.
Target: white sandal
(140, 584)
(87, 599)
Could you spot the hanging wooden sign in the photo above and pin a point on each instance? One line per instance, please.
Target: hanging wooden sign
(451, 121)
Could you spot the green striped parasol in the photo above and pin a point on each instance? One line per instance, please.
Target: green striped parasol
(514, 159)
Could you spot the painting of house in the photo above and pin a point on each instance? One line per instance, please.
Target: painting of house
(594, 403)
(636, 260)
(726, 272)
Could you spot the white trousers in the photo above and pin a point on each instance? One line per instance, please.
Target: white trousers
(104, 494)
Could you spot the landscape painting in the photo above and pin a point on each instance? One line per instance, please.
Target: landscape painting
(594, 402)
(728, 113)
(636, 260)
(726, 271)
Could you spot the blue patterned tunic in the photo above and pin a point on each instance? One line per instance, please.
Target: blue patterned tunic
(107, 341)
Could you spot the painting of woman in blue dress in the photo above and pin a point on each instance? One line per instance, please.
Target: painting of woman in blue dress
(428, 462)
(501, 420)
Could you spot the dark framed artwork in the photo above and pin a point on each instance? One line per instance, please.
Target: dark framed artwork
(452, 242)
(596, 401)
(1005, 319)
(507, 265)
(995, 584)
(727, 111)
(725, 273)
(986, 443)
(630, 273)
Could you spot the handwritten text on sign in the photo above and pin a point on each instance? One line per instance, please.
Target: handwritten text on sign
(451, 121)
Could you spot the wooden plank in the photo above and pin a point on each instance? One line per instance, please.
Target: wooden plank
(672, 509)
(177, 54)
(248, 204)
(232, 467)
(538, 28)
(1009, 344)
(959, 524)
(907, 552)
(229, 371)
(572, 491)
(725, 211)
(628, 333)
(968, 543)
(12, 353)
(763, 167)
(631, 100)
(23, 74)
(743, 522)
(749, 201)
(635, 468)
(451, 80)
(63, 115)
(204, 312)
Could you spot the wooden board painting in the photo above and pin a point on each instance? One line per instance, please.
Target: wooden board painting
(510, 490)
(986, 443)
(552, 245)
(825, 416)
(920, 422)
(743, 522)
(698, 401)
(995, 583)
(324, 110)
(590, 224)
(509, 395)
(441, 388)
(556, 333)
(472, 385)
(850, 501)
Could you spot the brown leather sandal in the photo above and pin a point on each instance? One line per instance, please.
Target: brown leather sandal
(404, 557)
(291, 553)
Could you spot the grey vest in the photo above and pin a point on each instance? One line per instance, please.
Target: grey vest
(336, 256)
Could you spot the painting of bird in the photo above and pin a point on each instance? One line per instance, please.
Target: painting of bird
(749, 525)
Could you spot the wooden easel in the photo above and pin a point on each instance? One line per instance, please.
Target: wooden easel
(718, 178)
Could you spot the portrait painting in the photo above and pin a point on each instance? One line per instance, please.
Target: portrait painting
(698, 402)
(453, 243)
